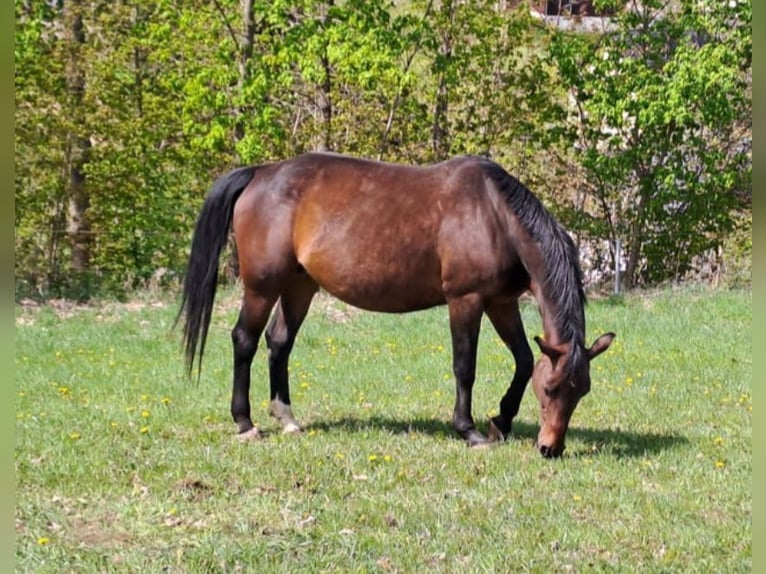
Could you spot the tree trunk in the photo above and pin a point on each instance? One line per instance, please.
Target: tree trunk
(245, 55)
(325, 104)
(635, 239)
(439, 129)
(78, 227)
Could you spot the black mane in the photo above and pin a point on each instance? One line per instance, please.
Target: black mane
(563, 281)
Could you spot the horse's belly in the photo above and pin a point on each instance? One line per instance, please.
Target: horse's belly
(375, 282)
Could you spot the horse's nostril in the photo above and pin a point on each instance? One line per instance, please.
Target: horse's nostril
(546, 451)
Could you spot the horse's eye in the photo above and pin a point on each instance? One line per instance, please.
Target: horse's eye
(551, 390)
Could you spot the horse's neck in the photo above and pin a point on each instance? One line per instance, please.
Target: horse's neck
(547, 313)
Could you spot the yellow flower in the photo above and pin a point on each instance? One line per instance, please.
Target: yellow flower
(718, 441)
(144, 430)
(372, 457)
(720, 464)
(145, 414)
(43, 540)
(165, 400)
(74, 435)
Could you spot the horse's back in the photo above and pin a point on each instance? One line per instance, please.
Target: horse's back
(379, 236)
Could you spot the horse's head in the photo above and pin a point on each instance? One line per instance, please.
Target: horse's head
(560, 379)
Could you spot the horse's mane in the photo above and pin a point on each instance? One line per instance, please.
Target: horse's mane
(563, 281)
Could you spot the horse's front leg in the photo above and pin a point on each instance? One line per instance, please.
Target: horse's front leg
(506, 319)
(465, 322)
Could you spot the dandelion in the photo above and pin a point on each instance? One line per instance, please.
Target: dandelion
(387, 458)
(74, 435)
(165, 400)
(577, 497)
(372, 458)
(720, 464)
(43, 540)
(144, 430)
(718, 441)
(64, 391)
(340, 455)
(145, 414)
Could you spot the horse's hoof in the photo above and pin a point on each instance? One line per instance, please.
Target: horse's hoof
(292, 428)
(475, 439)
(494, 434)
(249, 435)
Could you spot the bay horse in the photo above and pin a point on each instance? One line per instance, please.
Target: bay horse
(395, 238)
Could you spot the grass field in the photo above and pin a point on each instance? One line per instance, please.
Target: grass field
(123, 465)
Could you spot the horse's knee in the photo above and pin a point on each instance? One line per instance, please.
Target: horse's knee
(245, 344)
(525, 364)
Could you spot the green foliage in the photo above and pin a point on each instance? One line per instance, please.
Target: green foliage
(662, 108)
(176, 94)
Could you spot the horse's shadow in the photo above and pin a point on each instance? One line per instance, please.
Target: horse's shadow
(617, 443)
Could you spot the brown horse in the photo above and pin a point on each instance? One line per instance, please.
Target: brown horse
(395, 238)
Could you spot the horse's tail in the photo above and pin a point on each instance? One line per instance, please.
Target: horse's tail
(210, 237)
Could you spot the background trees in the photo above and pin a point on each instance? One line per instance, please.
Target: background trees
(661, 114)
(126, 111)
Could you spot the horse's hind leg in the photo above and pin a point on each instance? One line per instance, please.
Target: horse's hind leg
(507, 322)
(280, 335)
(244, 336)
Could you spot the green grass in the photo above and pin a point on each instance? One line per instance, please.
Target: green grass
(123, 465)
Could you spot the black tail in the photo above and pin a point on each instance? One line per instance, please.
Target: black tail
(210, 237)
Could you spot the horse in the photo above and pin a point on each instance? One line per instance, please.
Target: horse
(394, 238)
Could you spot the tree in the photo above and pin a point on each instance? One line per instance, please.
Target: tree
(660, 110)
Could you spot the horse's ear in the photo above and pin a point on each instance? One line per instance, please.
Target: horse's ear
(553, 353)
(600, 345)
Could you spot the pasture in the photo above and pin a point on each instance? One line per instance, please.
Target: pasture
(124, 465)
